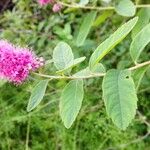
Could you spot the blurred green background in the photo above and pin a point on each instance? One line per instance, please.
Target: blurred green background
(25, 23)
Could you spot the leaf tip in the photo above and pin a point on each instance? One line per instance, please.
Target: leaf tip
(28, 109)
(67, 126)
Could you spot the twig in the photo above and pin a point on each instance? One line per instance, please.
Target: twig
(98, 8)
(139, 65)
(94, 75)
(143, 118)
(135, 141)
(122, 146)
(28, 133)
(23, 117)
(144, 90)
(70, 77)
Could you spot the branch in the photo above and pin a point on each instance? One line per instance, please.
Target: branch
(71, 77)
(97, 8)
(94, 75)
(139, 65)
(27, 134)
(143, 119)
(122, 146)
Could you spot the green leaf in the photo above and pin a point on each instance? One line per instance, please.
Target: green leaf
(75, 62)
(138, 75)
(139, 42)
(106, 1)
(71, 101)
(37, 94)
(120, 97)
(125, 8)
(111, 42)
(102, 18)
(83, 2)
(83, 73)
(85, 28)
(144, 18)
(62, 55)
(99, 68)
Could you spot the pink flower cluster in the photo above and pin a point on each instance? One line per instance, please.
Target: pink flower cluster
(45, 2)
(16, 63)
(56, 6)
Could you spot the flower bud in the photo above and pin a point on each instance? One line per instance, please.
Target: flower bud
(57, 7)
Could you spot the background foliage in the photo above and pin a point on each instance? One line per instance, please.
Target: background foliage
(24, 22)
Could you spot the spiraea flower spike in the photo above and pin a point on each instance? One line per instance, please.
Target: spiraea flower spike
(16, 62)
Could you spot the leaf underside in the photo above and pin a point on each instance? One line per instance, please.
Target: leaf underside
(37, 94)
(120, 97)
(144, 18)
(71, 101)
(62, 55)
(139, 42)
(138, 75)
(126, 8)
(74, 63)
